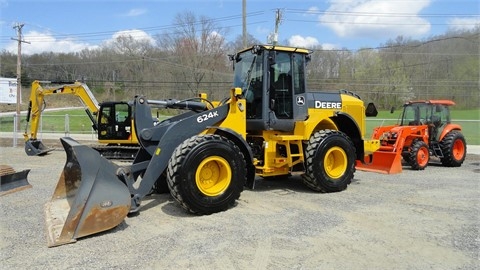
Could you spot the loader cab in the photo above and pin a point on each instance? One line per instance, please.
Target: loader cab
(434, 114)
(272, 80)
(114, 121)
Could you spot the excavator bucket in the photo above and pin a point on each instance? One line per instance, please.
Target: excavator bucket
(12, 181)
(36, 148)
(382, 162)
(89, 197)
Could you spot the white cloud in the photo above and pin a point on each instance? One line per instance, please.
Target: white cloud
(329, 46)
(136, 34)
(311, 11)
(304, 42)
(369, 18)
(46, 42)
(463, 23)
(131, 41)
(136, 12)
(309, 43)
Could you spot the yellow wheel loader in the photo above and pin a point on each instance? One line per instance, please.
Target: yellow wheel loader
(269, 126)
(112, 120)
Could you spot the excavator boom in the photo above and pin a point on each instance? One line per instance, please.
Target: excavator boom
(112, 120)
(35, 147)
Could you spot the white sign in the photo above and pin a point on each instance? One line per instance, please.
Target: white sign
(8, 90)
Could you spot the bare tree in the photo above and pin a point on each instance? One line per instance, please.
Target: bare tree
(197, 46)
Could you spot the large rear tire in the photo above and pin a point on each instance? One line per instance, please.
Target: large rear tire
(206, 174)
(454, 149)
(329, 161)
(419, 156)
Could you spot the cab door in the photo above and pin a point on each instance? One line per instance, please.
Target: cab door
(114, 121)
(287, 100)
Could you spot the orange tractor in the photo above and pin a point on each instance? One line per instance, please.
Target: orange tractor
(425, 130)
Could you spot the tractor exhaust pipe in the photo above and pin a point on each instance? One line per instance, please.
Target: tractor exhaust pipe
(89, 198)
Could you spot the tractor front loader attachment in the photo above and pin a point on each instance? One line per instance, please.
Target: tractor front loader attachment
(89, 197)
(382, 161)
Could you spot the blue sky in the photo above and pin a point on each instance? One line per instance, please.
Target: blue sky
(72, 25)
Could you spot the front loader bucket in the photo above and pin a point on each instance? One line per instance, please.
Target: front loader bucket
(36, 148)
(89, 197)
(11, 181)
(382, 162)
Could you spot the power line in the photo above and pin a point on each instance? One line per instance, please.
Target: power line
(145, 29)
(380, 14)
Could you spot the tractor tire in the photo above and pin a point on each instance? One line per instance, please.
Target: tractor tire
(454, 149)
(419, 156)
(406, 157)
(329, 161)
(206, 174)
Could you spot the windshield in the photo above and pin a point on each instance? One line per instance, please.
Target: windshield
(417, 114)
(247, 70)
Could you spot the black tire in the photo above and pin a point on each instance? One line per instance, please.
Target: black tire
(161, 185)
(406, 157)
(329, 161)
(419, 156)
(454, 149)
(206, 174)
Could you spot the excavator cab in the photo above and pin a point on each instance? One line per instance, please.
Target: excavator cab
(115, 121)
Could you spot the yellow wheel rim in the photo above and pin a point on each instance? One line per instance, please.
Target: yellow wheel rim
(213, 176)
(335, 162)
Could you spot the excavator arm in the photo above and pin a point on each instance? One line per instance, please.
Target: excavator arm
(33, 146)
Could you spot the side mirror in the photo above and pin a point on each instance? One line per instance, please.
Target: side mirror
(371, 110)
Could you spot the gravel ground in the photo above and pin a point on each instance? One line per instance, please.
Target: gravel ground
(413, 220)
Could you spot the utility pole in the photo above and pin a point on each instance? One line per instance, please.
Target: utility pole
(19, 27)
(244, 23)
(273, 37)
(278, 20)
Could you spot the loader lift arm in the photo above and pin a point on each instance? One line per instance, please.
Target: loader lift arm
(36, 105)
(90, 177)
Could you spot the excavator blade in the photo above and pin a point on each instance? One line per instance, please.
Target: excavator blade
(89, 197)
(36, 148)
(12, 181)
(382, 162)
